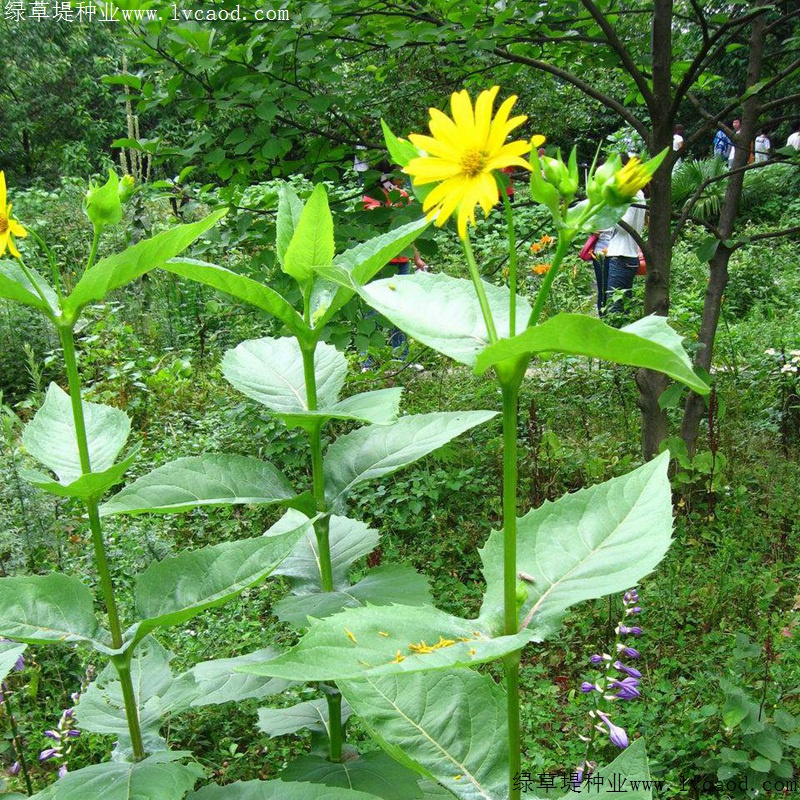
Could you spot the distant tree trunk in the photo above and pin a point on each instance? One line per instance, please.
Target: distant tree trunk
(659, 242)
(27, 159)
(694, 410)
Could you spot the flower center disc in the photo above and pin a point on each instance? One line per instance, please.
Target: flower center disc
(473, 162)
(3, 223)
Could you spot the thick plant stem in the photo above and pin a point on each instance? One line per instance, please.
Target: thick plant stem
(510, 392)
(73, 377)
(512, 267)
(479, 290)
(322, 533)
(564, 241)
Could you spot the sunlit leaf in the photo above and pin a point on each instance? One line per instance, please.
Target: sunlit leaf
(210, 480)
(449, 725)
(51, 436)
(588, 544)
(381, 640)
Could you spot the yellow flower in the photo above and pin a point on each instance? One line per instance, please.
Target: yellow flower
(8, 226)
(463, 152)
(541, 269)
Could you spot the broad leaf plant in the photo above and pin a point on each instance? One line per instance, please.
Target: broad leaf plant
(377, 648)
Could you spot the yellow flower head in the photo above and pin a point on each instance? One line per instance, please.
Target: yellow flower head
(541, 269)
(632, 177)
(463, 153)
(8, 225)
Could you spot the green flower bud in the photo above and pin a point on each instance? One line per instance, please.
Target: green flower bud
(522, 594)
(126, 188)
(102, 203)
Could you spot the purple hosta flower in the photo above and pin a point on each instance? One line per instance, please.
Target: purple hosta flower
(55, 735)
(73, 733)
(632, 671)
(630, 597)
(62, 770)
(49, 753)
(629, 630)
(628, 688)
(599, 659)
(587, 687)
(616, 734)
(15, 768)
(628, 651)
(634, 610)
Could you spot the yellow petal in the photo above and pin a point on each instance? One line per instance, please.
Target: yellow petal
(498, 131)
(461, 107)
(537, 141)
(483, 114)
(2, 190)
(17, 229)
(433, 169)
(12, 248)
(444, 129)
(434, 147)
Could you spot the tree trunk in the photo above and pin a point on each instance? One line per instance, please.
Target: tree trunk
(694, 410)
(659, 243)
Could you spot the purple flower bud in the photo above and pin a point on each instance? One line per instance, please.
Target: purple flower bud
(587, 687)
(628, 688)
(616, 734)
(55, 735)
(628, 651)
(69, 713)
(634, 610)
(62, 770)
(47, 754)
(15, 768)
(73, 733)
(634, 673)
(19, 665)
(626, 630)
(630, 597)
(596, 659)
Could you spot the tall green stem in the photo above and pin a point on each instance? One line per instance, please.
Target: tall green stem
(510, 392)
(479, 290)
(564, 241)
(322, 533)
(66, 336)
(512, 267)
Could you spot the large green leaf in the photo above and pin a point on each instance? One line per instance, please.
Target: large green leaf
(312, 242)
(114, 271)
(242, 288)
(374, 773)
(290, 209)
(16, 285)
(449, 725)
(354, 267)
(10, 653)
(378, 450)
(211, 683)
(276, 790)
(443, 312)
(180, 587)
(311, 715)
(381, 586)
(381, 640)
(588, 544)
(101, 708)
(270, 371)
(88, 487)
(349, 540)
(51, 438)
(158, 777)
(210, 480)
(648, 342)
(43, 609)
